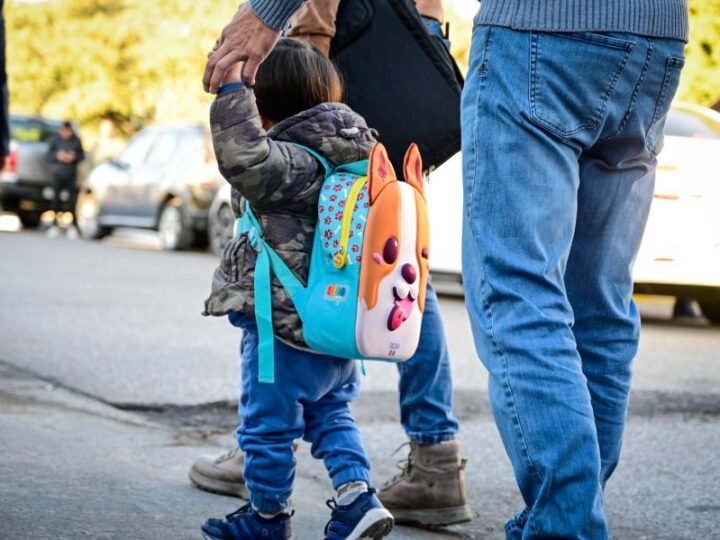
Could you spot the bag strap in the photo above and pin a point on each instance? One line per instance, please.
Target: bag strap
(267, 261)
(324, 162)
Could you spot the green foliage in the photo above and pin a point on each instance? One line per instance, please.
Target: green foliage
(134, 61)
(140, 62)
(701, 76)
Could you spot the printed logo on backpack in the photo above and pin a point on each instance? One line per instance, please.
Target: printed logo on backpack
(365, 294)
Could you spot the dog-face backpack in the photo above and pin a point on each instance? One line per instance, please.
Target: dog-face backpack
(365, 294)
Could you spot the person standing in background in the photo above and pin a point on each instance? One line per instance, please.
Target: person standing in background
(64, 155)
(562, 119)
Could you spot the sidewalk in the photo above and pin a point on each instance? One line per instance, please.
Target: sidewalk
(74, 468)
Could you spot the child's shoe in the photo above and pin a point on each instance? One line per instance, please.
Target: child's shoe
(365, 517)
(246, 524)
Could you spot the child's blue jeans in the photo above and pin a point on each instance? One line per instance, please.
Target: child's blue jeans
(308, 400)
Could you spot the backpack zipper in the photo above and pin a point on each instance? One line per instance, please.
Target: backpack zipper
(340, 259)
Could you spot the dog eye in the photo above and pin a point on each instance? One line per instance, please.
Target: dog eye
(424, 253)
(391, 249)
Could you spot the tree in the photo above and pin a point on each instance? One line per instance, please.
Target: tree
(700, 82)
(136, 62)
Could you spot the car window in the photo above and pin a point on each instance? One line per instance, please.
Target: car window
(164, 149)
(136, 150)
(27, 130)
(682, 123)
(192, 146)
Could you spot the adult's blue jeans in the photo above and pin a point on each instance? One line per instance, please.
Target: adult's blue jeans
(425, 386)
(559, 138)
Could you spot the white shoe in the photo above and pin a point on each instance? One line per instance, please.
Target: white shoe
(71, 233)
(53, 232)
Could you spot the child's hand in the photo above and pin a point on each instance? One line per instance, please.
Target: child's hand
(234, 73)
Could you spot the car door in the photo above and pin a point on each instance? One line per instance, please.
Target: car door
(117, 201)
(151, 179)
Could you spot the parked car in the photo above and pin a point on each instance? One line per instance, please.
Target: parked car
(221, 220)
(26, 180)
(165, 179)
(680, 252)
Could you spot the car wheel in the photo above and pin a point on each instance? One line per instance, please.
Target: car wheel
(29, 220)
(174, 235)
(87, 212)
(711, 310)
(220, 228)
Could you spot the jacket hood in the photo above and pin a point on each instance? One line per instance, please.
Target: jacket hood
(334, 130)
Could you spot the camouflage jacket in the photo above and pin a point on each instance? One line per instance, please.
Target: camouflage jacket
(282, 183)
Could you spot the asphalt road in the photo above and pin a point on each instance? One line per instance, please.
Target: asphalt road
(118, 322)
(121, 321)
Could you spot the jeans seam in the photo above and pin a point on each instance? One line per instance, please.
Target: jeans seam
(506, 382)
(481, 75)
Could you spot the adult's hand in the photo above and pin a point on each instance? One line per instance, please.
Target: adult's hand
(246, 39)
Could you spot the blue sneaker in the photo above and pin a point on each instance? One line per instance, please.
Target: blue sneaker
(365, 517)
(246, 524)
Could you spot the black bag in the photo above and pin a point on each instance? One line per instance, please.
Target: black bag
(399, 77)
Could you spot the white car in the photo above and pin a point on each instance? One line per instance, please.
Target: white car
(680, 252)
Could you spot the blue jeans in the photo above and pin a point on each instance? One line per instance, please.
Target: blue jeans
(560, 134)
(425, 384)
(308, 400)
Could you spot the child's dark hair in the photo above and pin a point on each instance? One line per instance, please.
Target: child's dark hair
(294, 77)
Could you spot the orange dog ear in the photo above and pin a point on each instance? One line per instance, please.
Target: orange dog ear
(380, 171)
(412, 168)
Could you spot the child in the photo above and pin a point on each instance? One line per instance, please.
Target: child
(295, 100)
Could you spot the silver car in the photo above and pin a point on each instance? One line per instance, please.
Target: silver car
(165, 179)
(26, 181)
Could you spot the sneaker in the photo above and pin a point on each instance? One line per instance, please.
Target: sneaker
(430, 489)
(72, 234)
(246, 524)
(365, 517)
(223, 475)
(53, 232)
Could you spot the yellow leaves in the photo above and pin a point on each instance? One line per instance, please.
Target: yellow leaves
(700, 82)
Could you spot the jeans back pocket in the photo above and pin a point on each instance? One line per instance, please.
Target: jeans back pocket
(671, 80)
(572, 77)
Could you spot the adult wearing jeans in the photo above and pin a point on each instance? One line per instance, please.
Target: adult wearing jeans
(430, 490)
(562, 118)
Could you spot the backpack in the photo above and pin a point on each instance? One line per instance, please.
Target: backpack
(365, 294)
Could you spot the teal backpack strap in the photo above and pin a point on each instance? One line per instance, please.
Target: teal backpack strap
(267, 261)
(359, 168)
(324, 162)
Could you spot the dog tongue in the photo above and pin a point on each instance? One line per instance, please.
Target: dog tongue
(400, 313)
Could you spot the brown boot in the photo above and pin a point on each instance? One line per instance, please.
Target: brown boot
(222, 475)
(430, 490)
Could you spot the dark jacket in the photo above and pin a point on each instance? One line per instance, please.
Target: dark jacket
(282, 182)
(62, 169)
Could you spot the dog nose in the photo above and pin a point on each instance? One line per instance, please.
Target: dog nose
(409, 274)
